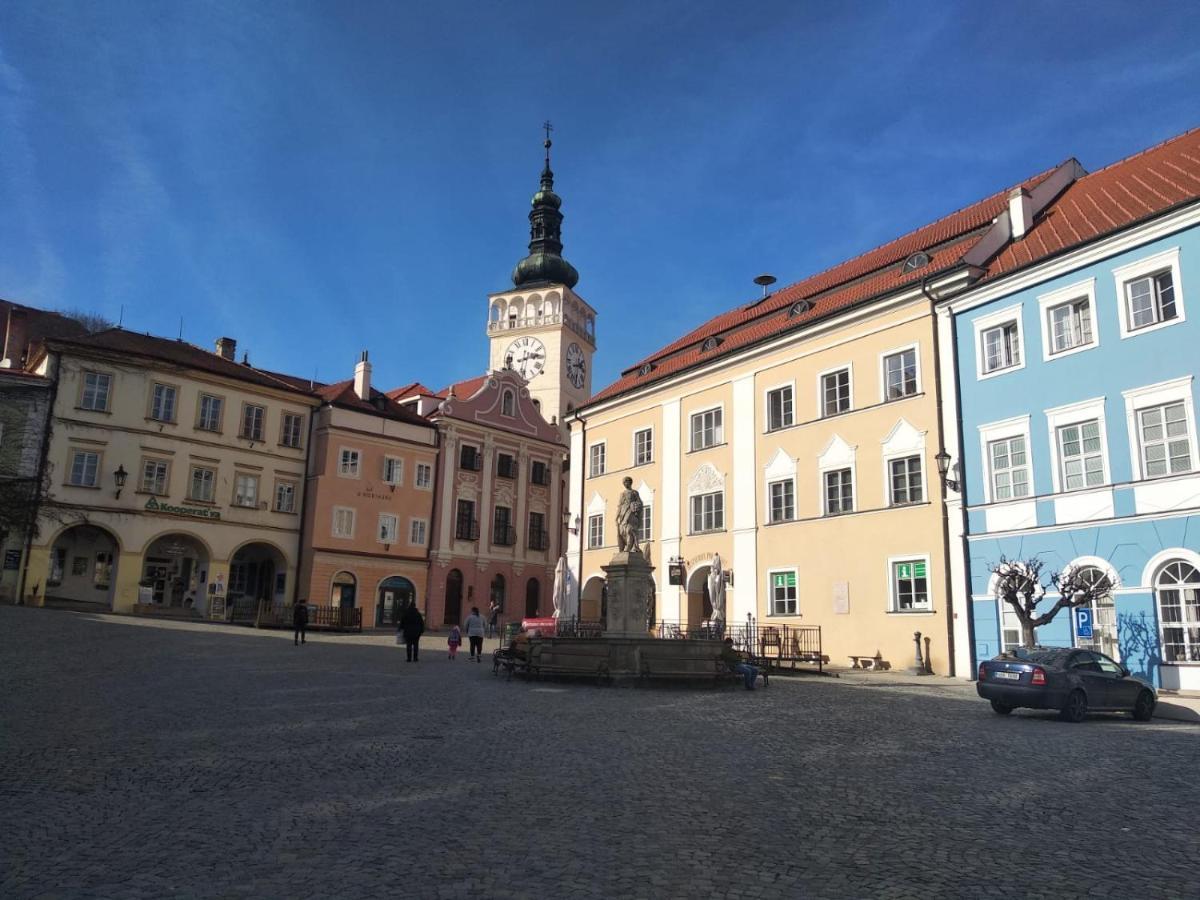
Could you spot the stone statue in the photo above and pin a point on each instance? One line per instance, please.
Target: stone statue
(629, 519)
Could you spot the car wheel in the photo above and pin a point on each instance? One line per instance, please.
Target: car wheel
(1143, 709)
(1075, 709)
(1002, 709)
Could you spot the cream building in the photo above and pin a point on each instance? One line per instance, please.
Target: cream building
(176, 477)
(795, 436)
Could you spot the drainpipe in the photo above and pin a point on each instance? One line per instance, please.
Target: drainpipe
(434, 520)
(579, 527)
(41, 476)
(312, 424)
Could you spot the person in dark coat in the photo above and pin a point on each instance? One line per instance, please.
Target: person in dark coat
(300, 620)
(412, 626)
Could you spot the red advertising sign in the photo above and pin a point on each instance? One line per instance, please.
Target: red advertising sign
(544, 625)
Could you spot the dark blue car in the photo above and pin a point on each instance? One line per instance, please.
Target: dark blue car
(1071, 681)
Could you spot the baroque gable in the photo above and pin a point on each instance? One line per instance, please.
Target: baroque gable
(706, 480)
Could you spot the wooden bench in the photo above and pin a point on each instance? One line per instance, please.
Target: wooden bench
(872, 662)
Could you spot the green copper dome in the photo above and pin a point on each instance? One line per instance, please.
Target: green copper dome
(545, 262)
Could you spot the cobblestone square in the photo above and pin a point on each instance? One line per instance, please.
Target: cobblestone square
(147, 759)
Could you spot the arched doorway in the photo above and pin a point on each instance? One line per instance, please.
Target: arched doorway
(395, 594)
(174, 572)
(454, 596)
(1104, 617)
(497, 592)
(1177, 590)
(591, 604)
(83, 566)
(533, 592)
(258, 572)
(343, 590)
(699, 605)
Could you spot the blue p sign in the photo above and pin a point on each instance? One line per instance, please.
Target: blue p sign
(1083, 622)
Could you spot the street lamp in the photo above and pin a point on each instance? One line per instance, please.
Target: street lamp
(567, 522)
(943, 467)
(119, 477)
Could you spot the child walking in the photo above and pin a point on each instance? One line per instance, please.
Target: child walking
(454, 641)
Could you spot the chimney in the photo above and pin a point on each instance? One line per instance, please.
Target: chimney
(362, 378)
(226, 348)
(1020, 212)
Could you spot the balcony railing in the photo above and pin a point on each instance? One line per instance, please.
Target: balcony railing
(504, 536)
(466, 531)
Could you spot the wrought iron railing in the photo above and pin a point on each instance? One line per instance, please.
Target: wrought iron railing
(320, 618)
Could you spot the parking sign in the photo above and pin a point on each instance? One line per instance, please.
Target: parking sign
(1083, 622)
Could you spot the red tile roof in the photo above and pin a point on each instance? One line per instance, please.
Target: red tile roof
(342, 394)
(412, 389)
(463, 389)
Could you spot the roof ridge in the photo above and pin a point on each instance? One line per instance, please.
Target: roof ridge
(1159, 146)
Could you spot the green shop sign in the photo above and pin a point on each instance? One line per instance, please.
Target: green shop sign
(785, 579)
(910, 570)
(196, 512)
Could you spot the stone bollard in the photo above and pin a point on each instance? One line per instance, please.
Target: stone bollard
(918, 663)
(928, 657)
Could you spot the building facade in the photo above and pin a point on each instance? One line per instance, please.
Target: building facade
(371, 468)
(1073, 364)
(176, 477)
(24, 407)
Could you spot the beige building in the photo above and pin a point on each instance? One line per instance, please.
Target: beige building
(796, 437)
(176, 477)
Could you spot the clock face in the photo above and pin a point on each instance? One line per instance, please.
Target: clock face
(526, 356)
(576, 365)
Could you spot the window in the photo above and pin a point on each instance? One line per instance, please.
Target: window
(424, 479)
(643, 447)
(1001, 347)
(707, 430)
(783, 500)
(1010, 627)
(708, 512)
(1081, 455)
(597, 460)
(595, 532)
(85, 466)
(348, 462)
(835, 392)
(154, 476)
(508, 404)
(343, 522)
(910, 585)
(285, 496)
(469, 458)
(539, 472)
(1104, 618)
(1178, 591)
(1010, 468)
(393, 470)
(202, 483)
(900, 374)
(388, 527)
(506, 466)
(418, 530)
(252, 421)
(503, 533)
(780, 408)
(906, 483)
(839, 492)
(245, 490)
(783, 593)
(465, 526)
(1150, 300)
(1165, 441)
(208, 416)
(162, 403)
(1070, 325)
(539, 538)
(96, 387)
(290, 428)
(645, 533)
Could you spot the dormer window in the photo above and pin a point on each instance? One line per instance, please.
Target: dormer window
(918, 260)
(646, 369)
(710, 344)
(798, 308)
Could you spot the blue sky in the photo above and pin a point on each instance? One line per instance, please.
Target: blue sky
(315, 178)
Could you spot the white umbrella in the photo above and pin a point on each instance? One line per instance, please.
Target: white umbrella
(560, 587)
(716, 589)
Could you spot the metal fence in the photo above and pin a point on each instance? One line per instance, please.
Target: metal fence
(320, 618)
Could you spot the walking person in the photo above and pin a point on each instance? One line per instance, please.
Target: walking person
(493, 619)
(454, 641)
(474, 629)
(412, 626)
(300, 622)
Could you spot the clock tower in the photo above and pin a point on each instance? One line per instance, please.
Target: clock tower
(541, 328)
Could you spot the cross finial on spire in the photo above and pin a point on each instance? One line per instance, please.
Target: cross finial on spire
(549, 128)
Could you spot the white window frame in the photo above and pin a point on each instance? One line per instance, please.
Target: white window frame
(1173, 391)
(415, 524)
(254, 479)
(771, 504)
(824, 497)
(992, 320)
(595, 531)
(848, 368)
(771, 573)
(1122, 275)
(166, 477)
(882, 367)
(692, 498)
(80, 451)
(1075, 414)
(212, 483)
(425, 484)
(262, 424)
(108, 389)
(718, 431)
(396, 476)
(350, 515)
(283, 429)
(389, 528)
(648, 430)
(282, 483)
(894, 600)
(646, 525)
(595, 471)
(887, 478)
(349, 468)
(783, 386)
(173, 391)
(1017, 426)
(220, 400)
(1080, 290)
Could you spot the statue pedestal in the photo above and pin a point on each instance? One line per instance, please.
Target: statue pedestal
(630, 587)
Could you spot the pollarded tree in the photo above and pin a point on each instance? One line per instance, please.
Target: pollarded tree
(1019, 584)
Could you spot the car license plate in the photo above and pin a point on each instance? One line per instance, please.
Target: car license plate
(1008, 676)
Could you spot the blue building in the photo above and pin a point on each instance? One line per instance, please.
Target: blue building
(1068, 375)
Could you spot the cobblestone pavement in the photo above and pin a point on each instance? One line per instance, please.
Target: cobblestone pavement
(191, 761)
